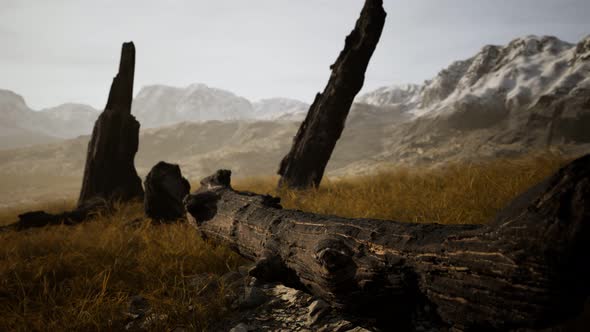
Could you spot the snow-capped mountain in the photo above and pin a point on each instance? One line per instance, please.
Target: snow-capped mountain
(405, 95)
(499, 78)
(531, 94)
(502, 80)
(159, 105)
(274, 108)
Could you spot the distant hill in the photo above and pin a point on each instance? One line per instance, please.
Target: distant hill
(247, 147)
(21, 126)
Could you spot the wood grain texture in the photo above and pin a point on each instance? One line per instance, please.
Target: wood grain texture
(527, 269)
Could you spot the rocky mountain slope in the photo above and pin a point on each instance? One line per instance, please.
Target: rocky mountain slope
(503, 78)
(509, 78)
(531, 94)
(406, 96)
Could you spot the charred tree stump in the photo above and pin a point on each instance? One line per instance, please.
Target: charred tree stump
(313, 144)
(527, 269)
(110, 171)
(165, 189)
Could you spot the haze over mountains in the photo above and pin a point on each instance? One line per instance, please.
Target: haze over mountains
(531, 94)
(154, 106)
(20, 126)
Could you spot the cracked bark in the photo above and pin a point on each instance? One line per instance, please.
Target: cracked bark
(527, 269)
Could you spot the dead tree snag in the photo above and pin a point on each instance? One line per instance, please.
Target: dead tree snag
(304, 165)
(110, 170)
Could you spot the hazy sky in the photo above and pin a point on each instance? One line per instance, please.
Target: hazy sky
(56, 51)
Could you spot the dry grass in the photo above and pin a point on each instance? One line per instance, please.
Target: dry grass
(456, 194)
(80, 278)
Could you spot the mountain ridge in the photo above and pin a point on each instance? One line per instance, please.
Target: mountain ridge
(521, 72)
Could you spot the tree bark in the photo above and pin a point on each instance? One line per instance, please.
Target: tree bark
(527, 269)
(304, 165)
(110, 170)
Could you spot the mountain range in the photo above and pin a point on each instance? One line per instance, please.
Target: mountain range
(154, 106)
(532, 94)
(21, 126)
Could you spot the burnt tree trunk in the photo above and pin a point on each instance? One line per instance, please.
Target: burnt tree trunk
(110, 171)
(527, 269)
(304, 165)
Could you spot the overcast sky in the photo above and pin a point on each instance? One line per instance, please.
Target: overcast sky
(56, 51)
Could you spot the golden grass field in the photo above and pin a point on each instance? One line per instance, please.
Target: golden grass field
(81, 278)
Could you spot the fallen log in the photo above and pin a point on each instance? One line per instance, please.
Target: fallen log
(527, 269)
(304, 165)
